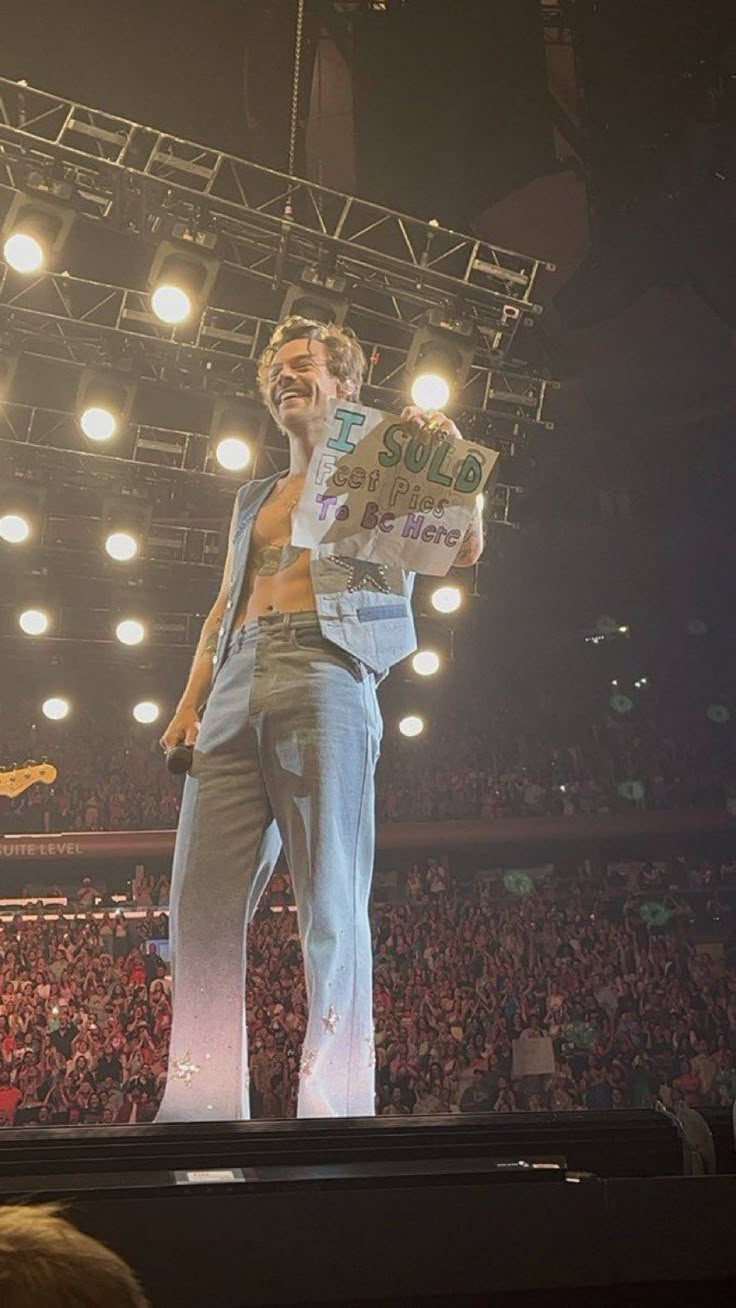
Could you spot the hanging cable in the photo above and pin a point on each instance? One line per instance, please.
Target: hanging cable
(295, 84)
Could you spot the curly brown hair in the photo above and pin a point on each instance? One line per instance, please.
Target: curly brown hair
(345, 358)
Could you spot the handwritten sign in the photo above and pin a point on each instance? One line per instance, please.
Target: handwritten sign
(534, 1056)
(376, 491)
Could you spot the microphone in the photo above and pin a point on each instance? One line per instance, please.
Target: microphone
(179, 758)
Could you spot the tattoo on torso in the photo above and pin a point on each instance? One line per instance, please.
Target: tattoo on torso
(275, 558)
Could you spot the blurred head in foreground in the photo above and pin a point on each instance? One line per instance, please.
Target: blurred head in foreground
(45, 1262)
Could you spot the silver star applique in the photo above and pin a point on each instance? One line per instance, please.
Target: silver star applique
(363, 576)
(185, 1069)
(330, 1020)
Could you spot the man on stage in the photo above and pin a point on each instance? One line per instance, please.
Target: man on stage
(288, 661)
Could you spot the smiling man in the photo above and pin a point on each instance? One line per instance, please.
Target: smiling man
(284, 755)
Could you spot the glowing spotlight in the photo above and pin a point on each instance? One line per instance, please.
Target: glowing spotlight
(14, 529)
(412, 725)
(98, 424)
(55, 708)
(130, 631)
(232, 453)
(171, 304)
(34, 622)
(426, 662)
(446, 599)
(430, 391)
(121, 546)
(24, 253)
(146, 711)
(182, 273)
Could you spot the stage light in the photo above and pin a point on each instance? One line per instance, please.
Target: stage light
(318, 295)
(34, 622)
(171, 303)
(146, 711)
(36, 226)
(22, 510)
(411, 725)
(55, 708)
(425, 662)
(430, 391)
(98, 424)
(446, 599)
(232, 454)
(182, 274)
(14, 528)
(24, 253)
(126, 523)
(121, 546)
(104, 401)
(130, 631)
(237, 428)
(439, 359)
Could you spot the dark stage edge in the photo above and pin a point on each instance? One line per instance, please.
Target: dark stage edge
(393, 1210)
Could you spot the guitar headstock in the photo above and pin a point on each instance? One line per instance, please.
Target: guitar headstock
(13, 781)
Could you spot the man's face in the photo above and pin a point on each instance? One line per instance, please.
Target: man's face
(299, 383)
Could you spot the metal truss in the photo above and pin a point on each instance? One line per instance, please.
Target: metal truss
(95, 627)
(63, 317)
(159, 453)
(269, 225)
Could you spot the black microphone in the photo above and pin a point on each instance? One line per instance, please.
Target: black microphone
(179, 758)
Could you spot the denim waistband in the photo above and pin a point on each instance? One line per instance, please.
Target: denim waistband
(273, 622)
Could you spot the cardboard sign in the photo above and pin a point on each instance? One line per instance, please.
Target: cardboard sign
(533, 1057)
(375, 491)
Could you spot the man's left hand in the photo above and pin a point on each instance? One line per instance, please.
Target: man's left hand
(429, 423)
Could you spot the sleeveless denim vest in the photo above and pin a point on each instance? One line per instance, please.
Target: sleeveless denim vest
(376, 627)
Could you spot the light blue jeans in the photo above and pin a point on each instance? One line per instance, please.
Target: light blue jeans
(286, 753)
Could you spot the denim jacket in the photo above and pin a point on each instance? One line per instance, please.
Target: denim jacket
(375, 626)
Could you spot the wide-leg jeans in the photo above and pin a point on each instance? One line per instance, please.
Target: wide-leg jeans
(286, 754)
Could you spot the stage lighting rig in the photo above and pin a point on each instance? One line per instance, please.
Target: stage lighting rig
(447, 599)
(105, 398)
(37, 224)
(237, 430)
(34, 622)
(318, 294)
(440, 358)
(183, 273)
(126, 524)
(426, 662)
(22, 511)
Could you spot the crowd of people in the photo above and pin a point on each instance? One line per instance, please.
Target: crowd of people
(117, 780)
(625, 981)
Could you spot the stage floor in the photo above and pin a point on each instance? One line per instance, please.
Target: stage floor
(388, 1210)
